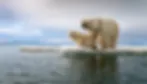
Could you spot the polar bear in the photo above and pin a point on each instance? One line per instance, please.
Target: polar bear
(83, 40)
(106, 30)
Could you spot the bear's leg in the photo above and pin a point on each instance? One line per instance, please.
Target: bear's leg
(113, 42)
(102, 60)
(93, 39)
(113, 60)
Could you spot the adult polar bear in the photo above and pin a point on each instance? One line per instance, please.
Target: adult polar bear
(106, 30)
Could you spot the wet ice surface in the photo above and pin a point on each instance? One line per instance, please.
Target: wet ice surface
(52, 68)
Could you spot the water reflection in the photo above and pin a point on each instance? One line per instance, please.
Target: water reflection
(84, 70)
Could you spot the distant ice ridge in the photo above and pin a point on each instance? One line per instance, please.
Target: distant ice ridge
(65, 48)
(47, 48)
(61, 49)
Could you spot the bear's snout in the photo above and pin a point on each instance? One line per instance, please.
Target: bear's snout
(85, 26)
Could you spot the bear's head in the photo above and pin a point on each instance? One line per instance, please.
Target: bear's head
(93, 24)
(80, 38)
(77, 37)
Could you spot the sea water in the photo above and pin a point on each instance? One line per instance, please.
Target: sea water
(18, 67)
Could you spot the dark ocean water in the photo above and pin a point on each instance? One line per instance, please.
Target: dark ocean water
(51, 68)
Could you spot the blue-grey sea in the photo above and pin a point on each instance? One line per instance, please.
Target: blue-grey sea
(52, 68)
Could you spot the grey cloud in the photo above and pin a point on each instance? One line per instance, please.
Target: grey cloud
(122, 7)
(70, 12)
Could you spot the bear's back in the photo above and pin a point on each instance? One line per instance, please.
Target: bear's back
(109, 26)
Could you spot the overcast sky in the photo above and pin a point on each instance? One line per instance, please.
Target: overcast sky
(67, 14)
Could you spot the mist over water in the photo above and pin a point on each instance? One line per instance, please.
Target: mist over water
(52, 68)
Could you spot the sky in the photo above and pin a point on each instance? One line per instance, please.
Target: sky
(49, 21)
